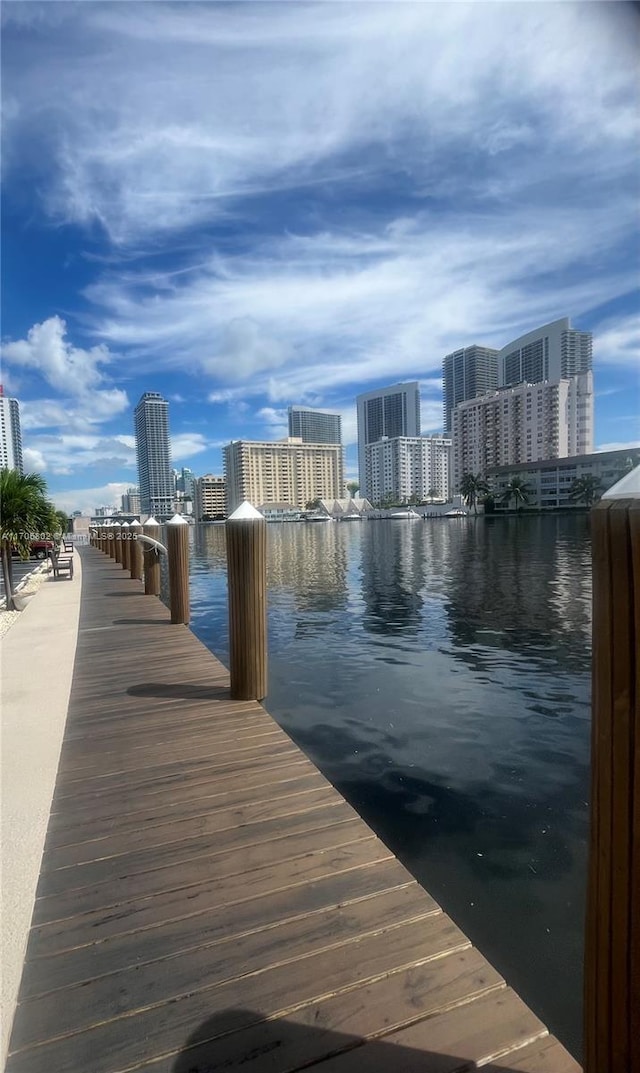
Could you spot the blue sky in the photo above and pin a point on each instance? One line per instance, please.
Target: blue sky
(249, 205)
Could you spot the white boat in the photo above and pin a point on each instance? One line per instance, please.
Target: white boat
(409, 515)
(318, 518)
(355, 517)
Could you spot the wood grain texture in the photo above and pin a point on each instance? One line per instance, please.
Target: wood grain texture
(207, 900)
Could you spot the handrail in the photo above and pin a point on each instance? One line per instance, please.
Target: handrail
(155, 544)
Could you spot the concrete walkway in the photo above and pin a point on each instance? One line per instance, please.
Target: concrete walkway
(36, 667)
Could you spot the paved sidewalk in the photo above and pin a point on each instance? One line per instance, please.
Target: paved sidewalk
(36, 667)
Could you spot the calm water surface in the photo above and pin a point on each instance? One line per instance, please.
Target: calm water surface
(438, 674)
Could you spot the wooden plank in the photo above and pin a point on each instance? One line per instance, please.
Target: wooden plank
(144, 865)
(240, 861)
(167, 933)
(98, 802)
(494, 1025)
(310, 1033)
(336, 849)
(123, 1041)
(114, 848)
(64, 830)
(165, 979)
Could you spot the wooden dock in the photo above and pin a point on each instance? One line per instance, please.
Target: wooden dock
(209, 902)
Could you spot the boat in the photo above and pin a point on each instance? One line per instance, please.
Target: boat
(354, 517)
(318, 518)
(409, 515)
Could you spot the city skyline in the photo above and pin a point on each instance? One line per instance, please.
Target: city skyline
(243, 250)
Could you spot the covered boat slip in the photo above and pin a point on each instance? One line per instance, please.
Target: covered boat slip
(208, 901)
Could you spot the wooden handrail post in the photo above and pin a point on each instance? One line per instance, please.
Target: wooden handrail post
(612, 947)
(178, 563)
(111, 541)
(247, 579)
(117, 532)
(136, 550)
(125, 537)
(152, 579)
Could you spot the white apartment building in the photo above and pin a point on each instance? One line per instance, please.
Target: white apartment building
(553, 352)
(525, 423)
(10, 434)
(389, 411)
(287, 471)
(210, 499)
(405, 466)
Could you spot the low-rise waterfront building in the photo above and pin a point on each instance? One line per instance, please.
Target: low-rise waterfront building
(550, 481)
(210, 498)
(286, 471)
(408, 466)
(525, 423)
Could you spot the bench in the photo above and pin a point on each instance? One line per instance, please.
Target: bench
(62, 564)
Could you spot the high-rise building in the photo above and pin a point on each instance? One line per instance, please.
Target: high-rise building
(185, 481)
(525, 423)
(210, 497)
(130, 502)
(288, 471)
(154, 455)
(553, 352)
(10, 433)
(314, 426)
(407, 466)
(388, 411)
(467, 373)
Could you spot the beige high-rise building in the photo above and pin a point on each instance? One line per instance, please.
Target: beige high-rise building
(210, 497)
(287, 471)
(525, 423)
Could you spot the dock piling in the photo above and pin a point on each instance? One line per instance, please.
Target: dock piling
(151, 528)
(247, 574)
(136, 550)
(178, 564)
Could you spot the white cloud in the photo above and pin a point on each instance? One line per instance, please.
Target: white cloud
(87, 499)
(629, 445)
(187, 444)
(62, 453)
(75, 373)
(617, 342)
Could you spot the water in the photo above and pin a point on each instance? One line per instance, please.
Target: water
(439, 674)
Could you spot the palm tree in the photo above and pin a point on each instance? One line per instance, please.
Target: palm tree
(353, 487)
(585, 489)
(25, 512)
(432, 494)
(471, 486)
(517, 489)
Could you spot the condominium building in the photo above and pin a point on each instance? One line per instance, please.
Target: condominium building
(467, 373)
(525, 423)
(406, 466)
(550, 481)
(314, 426)
(155, 478)
(130, 501)
(288, 471)
(553, 352)
(10, 433)
(389, 411)
(210, 500)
